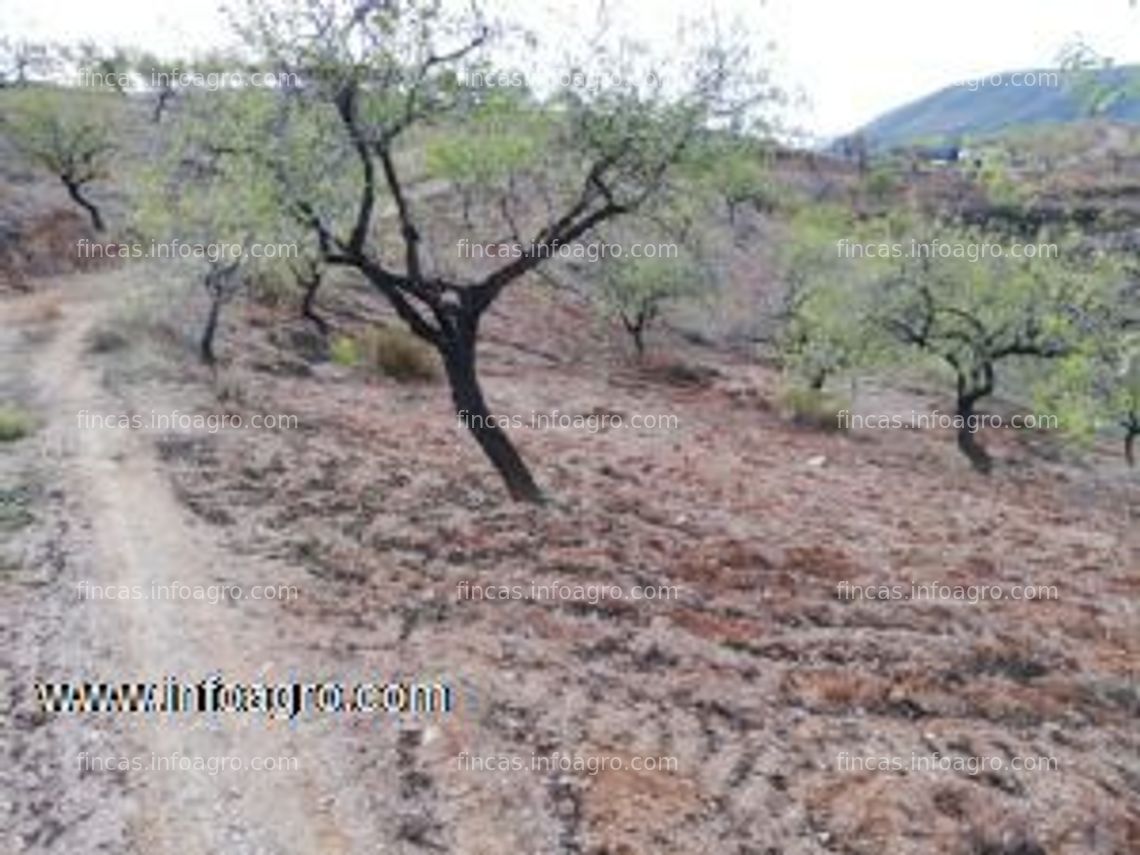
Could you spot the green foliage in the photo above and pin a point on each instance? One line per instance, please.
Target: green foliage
(970, 308)
(196, 195)
(345, 351)
(631, 285)
(68, 133)
(1096, 390)
(733, 171)
(637, 290)
(961, 302)
(825, 325)
(997, 180)
(15, 424)
(498, 138)
(881, 183)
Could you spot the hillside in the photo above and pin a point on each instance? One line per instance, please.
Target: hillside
(982, 108)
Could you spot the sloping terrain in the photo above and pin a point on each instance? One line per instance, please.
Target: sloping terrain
(758, 680)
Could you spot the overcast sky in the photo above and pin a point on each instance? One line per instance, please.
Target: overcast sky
(853, 59)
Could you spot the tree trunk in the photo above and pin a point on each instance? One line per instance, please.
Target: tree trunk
(458, 353)
(636, 330)
(1130, 444)
(160, 105)
(73, 190)
(967, 438)
(638, 341)
(308, 304)
(206, 347)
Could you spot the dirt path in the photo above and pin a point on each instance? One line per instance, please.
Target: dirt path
(126, 528)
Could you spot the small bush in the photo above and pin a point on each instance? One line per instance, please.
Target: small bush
(345, 351)
(813, 408)
(14, 424)
(398, 354)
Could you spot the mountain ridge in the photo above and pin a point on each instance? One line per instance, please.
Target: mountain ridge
(990, 105)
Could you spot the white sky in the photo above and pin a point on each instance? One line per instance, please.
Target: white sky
(853, 59)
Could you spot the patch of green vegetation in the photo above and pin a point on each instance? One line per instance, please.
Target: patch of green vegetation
(345, 351)
(15, 424)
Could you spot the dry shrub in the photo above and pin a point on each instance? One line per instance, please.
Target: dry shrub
(397, 353)
(813, 408)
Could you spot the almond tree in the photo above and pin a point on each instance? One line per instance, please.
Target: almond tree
(1097, 390)
(375, 73)
(976, 315)
(72, 140)
(822, 323)
(637, 291)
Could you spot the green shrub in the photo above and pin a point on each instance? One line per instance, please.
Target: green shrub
(14, 424)
(397, 353)
(345, 351)
(813, 408)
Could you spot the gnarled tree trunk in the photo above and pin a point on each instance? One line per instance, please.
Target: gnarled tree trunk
(210, 331)
(219, 282)
(75, 191)
(458, 352)
(968, 439)
(309, 303)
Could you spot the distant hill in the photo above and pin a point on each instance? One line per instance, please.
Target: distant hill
(987, 106)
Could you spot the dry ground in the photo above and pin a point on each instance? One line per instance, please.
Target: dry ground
(757, 679)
